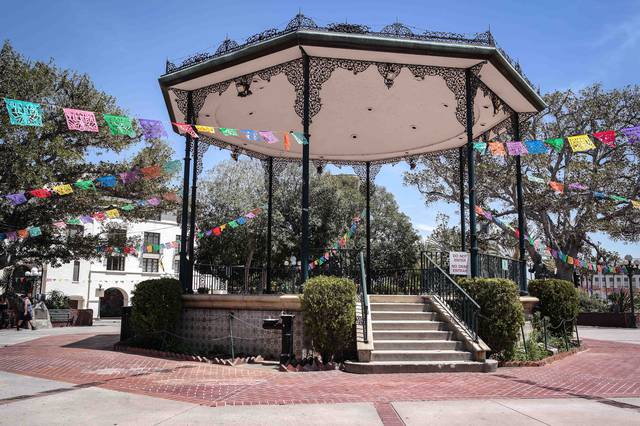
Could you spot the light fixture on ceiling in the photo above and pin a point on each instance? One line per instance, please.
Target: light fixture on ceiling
(412, 163)
(234, 155)
(319, 168)
(242, 86)
(354, 136)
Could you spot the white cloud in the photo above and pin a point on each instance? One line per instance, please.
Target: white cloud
(424, 228)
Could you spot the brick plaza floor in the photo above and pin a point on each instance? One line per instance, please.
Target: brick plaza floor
(604, 370)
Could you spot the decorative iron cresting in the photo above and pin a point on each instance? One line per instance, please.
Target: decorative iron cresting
(396, 30)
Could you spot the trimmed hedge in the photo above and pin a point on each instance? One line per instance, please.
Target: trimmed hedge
(329, 310)
(559, 301)
(501, 310)
(156, 306)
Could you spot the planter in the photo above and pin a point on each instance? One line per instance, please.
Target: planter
(606, 319)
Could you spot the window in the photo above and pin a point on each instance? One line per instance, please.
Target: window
(179, 244)
(115, 263)
(176, 265)
(149, 265)
(596, 279)
(152, 239)
(76, 271)
(156, 216)
(117, 237)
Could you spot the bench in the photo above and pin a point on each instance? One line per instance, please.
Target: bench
(58, 316)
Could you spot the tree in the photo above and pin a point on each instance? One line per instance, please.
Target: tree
(35, 157)
(233, 188)
(566, 221)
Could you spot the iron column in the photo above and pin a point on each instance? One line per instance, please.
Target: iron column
(304, 252)
(463, 239)
(368, 188)
(192, 215)
(269, 220)
(471, 171)
(521, 225)
(183, 274)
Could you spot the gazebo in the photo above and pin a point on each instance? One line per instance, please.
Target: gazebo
(360, 97)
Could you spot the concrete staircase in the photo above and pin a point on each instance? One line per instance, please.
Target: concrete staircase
(410, 336)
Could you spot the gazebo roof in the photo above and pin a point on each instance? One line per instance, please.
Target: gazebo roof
(374, 96)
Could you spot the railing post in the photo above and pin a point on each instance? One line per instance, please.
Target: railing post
(184, 272)
(520, 207)
(304, 252)
(471, 166)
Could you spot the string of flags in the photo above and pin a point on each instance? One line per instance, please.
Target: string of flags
(99, 216)
(341, 243)
(232, 224)
(543, 248)
(24, 113)
(577, 143)
(560, 187)
(155, 248)
(107, 181)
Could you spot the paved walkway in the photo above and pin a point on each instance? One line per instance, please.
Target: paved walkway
(604, 380)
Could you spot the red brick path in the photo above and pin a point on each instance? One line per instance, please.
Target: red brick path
(605, 370)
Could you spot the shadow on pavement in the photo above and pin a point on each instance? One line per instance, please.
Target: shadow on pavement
(102, 342)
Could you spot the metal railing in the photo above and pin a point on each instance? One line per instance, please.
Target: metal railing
(438, 283)
(492, 266)
(364, 299)
(396, 281)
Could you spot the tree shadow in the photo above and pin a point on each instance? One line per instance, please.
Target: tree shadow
(101, 342)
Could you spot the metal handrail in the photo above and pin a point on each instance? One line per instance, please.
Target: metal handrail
(364, 302)
(460, 304)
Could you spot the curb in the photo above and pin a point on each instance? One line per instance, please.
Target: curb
(231, 362)
(544, 361)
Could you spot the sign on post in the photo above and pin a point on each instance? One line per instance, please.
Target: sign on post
(505, 265)
(458, 263)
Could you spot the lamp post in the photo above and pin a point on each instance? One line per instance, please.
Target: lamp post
(632, 267)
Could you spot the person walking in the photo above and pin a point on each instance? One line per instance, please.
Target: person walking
(19, 311)
(25, 312)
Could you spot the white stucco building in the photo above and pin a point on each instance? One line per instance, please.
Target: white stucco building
(604, 285)
(117, 275)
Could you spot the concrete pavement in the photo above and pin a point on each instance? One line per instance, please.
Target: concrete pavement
(10, 336)
(622, 335)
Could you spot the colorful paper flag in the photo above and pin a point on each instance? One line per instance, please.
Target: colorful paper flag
(172, 166)
(170, 196)
(556, 186)
(83, 121)
(233, 224)
(577, 186)
(127, 207)
(555, 143)
(112, 214)
(535, 179)
(536, 147)
(228, 131)
(152, 129)
(151, 172)
(64, 189)
(40, 193)
(516, 148)
(481, 147)
(35, 231)
(497, 148)
(607, 137)
(129, 177)
(632, 134)
(23, 233)
(85, 184)
(580, 143)
(99, 216)
(268, 137)
(635, 204)
(60, 224)
(22, 113)
(108, 181)
(186, 129)
(86, 219)
(205, 129)
(300, 138)
(251, 135)
(74, 221)
(217, 231)
(17, 198)
(153, 201)
(287, 142)
(119, 125)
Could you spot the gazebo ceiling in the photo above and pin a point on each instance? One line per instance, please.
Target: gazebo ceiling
(373, 97)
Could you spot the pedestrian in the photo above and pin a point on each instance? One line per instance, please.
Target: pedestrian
(19, 310)
(4, 311)
(28, 311)
(25, 312)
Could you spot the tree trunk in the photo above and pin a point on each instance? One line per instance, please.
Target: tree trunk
(247, 264)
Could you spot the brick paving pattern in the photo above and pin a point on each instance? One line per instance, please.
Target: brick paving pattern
(604, 370)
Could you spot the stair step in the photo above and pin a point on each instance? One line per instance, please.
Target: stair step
(420, 355)
(402, 316)
(407, 325)
(388, 367)
(405, 307)
(411, 335)
(394, 298)
(450, 345)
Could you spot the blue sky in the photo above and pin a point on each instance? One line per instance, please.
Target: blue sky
(123, 46)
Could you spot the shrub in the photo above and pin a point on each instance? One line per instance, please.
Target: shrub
(592, 303)
(501, 310)
(203, 290)
(329, 310)
(156, 306)
(558, 300)
(56, 300)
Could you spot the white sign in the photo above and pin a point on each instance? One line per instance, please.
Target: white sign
(505, 265)
(458, 263)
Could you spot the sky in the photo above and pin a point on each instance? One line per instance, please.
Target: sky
(123, 46)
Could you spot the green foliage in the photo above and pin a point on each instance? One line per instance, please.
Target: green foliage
(156, 306)
(592, 303)
(56, 300)
(569, 219)
(620, 301)
(329, 313)
(558, 300)
(203, 290)
(501, 310)
(533, 350)
(32, 157)
(234, 187)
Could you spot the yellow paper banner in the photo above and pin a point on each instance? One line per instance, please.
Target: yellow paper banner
(112, 214)
(63, 189)
(205, 129)
(581, 143)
